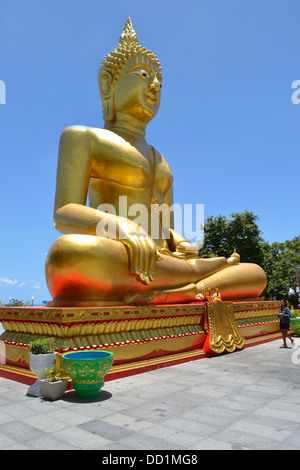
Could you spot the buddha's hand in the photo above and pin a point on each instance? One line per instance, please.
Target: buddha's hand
(186, 250)
(142, 250)
(187, 247)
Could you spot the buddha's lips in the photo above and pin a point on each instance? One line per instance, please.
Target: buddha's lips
(151, 97)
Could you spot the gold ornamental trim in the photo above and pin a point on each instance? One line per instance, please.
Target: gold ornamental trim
(94, 314)
(256, 313)
(103, 333)
(260, 329)
(256, 306)
(122, 353)
(224, 334)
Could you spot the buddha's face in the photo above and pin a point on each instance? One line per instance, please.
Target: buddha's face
(137, 92)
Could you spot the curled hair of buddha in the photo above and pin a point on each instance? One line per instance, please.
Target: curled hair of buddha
(127, 48)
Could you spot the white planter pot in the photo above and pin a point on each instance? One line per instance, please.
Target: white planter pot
(54, 390)
(39, 362)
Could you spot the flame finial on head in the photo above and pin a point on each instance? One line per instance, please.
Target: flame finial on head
(128, 34)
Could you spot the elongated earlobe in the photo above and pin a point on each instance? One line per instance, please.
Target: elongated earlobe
(106, 88)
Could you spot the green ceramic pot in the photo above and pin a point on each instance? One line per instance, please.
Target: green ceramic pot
(87, 370)
(295, 323)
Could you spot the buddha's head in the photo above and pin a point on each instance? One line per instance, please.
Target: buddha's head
(130, 79)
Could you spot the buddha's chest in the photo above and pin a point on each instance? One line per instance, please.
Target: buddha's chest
(139, 173)
(125, 165)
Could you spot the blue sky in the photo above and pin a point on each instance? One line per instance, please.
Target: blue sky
(227, 124)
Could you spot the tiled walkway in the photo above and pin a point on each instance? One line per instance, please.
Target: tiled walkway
(246, 400)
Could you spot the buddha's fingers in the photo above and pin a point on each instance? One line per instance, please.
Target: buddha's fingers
(144, 258)
(134, 252)
(153, 257)
(143, 254)
(148, 249)
(141, 258)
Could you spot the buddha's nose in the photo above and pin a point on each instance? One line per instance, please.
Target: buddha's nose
(155, 85)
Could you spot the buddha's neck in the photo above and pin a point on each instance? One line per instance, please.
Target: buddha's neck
(125, 123)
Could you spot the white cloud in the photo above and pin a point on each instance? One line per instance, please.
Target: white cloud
(8, 281)
(35, 284)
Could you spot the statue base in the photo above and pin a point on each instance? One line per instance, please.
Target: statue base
(141, 338)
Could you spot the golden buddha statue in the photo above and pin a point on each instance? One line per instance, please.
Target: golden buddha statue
(104, 257)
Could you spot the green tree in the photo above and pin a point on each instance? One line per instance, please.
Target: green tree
(222, 235)
(279, 264)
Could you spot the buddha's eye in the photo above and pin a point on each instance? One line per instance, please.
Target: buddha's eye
(141, 72)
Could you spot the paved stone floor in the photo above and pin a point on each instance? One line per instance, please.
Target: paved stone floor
(246, 400)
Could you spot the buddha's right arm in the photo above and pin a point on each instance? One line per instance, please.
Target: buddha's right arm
(76, 218)
(72, 181)
(74, 168)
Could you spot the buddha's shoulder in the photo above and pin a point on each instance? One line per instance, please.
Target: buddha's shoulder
(90, 134)
(162, 164)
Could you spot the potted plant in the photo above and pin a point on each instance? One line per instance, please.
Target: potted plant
(42, 353)
(53, 386)
(87, 370)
